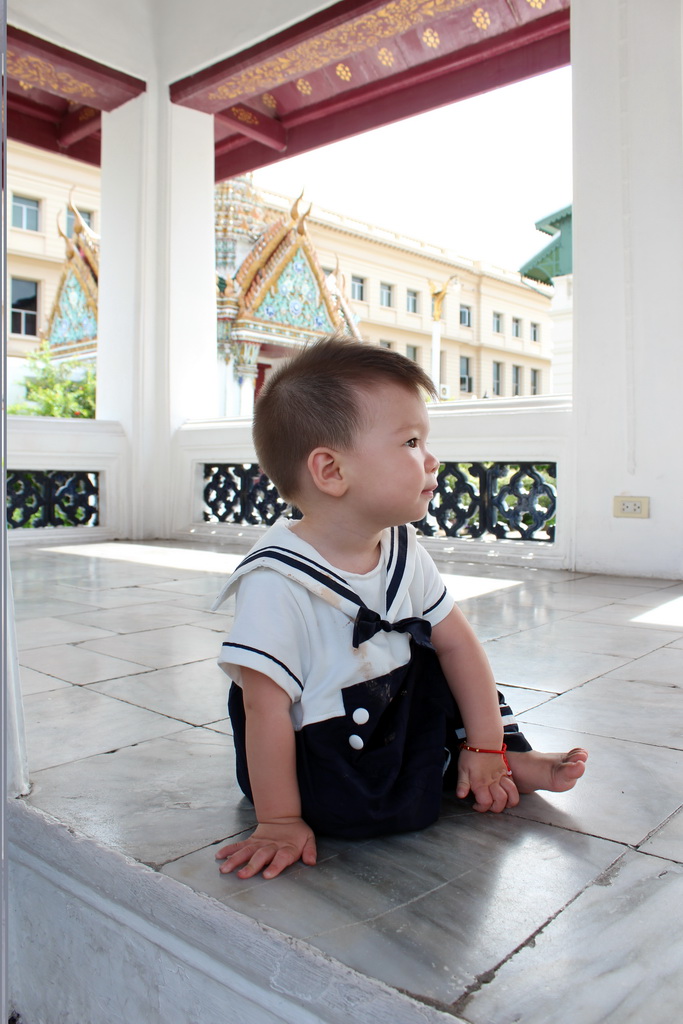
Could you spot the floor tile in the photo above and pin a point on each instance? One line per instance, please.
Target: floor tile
(423, 911)
(662, 666)
(613, 955)
(579, 635)
(159, 648)
(154, 801)
(38, 682)
(76, 664)
(666, 616)
(647, 712)
(37, 608)
(668, 840)
(137, 618)
(628, 789)
(517, 662)
(66, 725)
(196, 693)
(45, 632)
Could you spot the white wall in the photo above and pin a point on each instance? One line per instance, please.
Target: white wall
(628, 268)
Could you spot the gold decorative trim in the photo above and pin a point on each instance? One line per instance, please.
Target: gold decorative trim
(386, 57)
(245, 116)
(33, 72)
(482, 19)
(336, 45)
(304, 87)
(343, 72)
(269, 101)
(538, 4)
(430, 37)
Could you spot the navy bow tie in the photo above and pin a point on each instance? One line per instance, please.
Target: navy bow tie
(368, 623)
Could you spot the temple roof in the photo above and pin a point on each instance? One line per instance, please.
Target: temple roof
(72, 327)
(555, 260)
(279, 294)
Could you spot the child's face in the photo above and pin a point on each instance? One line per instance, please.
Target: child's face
(391, 472)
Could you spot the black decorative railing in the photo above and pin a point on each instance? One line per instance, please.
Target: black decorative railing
(511, 501)
(52, 498)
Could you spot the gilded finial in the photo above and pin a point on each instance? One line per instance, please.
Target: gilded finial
(294, 212)
(438, 296)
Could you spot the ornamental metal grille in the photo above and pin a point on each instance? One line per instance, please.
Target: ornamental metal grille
(52, 498)
(510, 501)
(240, 493)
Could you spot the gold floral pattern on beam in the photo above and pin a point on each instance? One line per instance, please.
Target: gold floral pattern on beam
(33, 72)
(245, 116)
(386, 57)
(343, 72)
(430, 37)
(269, 101)
(336, 45)
(304, 87)
(481, 18)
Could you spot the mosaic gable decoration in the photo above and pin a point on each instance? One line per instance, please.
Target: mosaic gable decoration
(272, 293)
(72, 327)
(296, 298)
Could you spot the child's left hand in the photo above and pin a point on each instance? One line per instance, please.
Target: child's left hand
(484, 776)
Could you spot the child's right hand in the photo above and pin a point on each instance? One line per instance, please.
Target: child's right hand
(272, 847)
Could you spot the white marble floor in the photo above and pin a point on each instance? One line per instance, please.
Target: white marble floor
(567, 908)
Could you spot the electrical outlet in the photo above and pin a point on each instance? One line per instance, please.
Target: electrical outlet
(631, 507)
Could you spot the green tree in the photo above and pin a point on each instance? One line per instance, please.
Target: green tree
(63, 389)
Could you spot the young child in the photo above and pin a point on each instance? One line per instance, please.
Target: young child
(359, 689)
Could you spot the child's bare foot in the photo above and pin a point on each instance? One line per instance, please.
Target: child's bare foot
(557, 772)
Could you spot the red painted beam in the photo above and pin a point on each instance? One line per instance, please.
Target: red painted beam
(256, 125)
(44, 67)
(77, 125)
(383, 105)
(185, 90)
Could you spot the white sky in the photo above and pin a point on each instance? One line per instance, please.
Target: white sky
(472, 177)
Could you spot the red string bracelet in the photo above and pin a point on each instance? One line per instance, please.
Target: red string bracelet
(480, 750)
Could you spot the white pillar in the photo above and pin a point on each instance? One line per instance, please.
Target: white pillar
(628, 268)
(15, 758)
(157, 321)
(436, 353)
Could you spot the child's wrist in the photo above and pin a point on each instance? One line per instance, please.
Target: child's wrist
(489, 750)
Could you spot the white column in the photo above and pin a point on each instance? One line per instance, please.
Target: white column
(157, 326)
(436, 353)
(628, 268)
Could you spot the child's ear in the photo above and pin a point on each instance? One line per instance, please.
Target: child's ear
(325, 468)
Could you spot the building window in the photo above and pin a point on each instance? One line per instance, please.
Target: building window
(497, 378)
(24, 307)
(25, 213)
(516, 380)
(497, 323)
(411, 301)
(535, 332)
(535, 385)
(71, 219)
(358, 288)
(411, 352)
(465, 378)
(516, 327)
(385, 344)
(385, 294)
(465, 316)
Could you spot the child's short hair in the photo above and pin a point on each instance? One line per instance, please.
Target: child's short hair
(312, 400)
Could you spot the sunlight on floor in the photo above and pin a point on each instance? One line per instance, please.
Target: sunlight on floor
(148, 554)
(462, 587)
(669, 614)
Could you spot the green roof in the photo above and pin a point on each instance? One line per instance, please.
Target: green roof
(555, 259)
